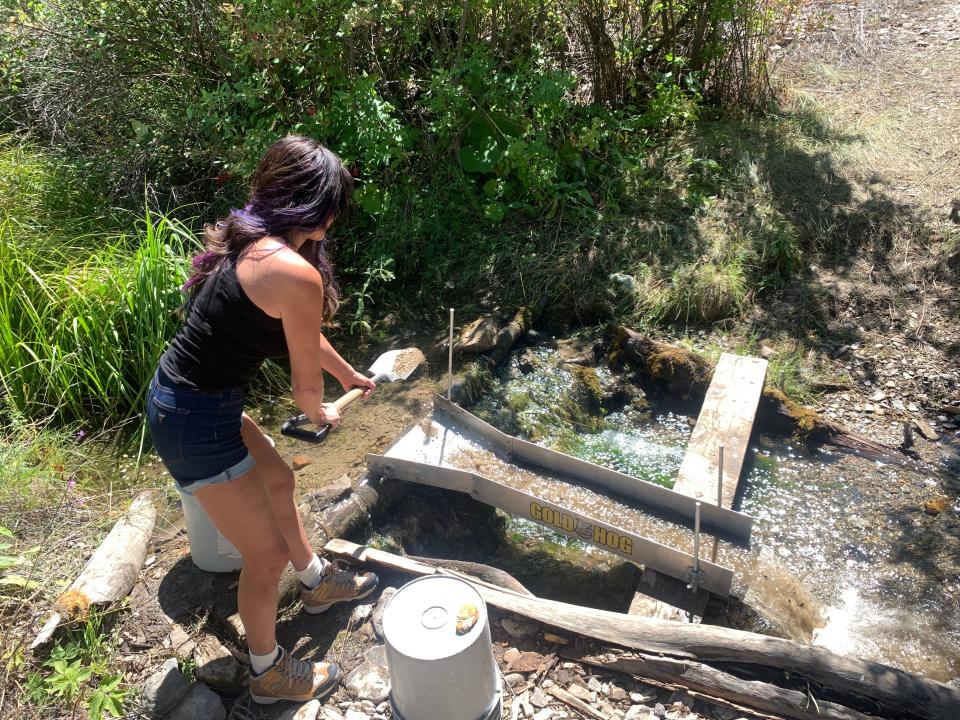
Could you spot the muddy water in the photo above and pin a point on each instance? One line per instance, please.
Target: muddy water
(840, 552)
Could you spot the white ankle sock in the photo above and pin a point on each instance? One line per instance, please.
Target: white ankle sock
(262, 663)
(312, 574)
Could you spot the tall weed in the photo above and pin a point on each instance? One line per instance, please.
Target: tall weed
(80, 333)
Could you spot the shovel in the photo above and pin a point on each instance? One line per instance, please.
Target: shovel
(391, 366)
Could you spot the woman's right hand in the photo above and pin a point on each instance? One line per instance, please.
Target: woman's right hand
(329, 415)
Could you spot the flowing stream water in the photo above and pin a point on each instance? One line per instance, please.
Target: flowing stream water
(841, 550)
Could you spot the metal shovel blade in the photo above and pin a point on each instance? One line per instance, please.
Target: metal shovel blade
(396, 365)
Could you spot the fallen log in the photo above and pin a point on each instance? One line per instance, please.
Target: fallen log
(475, 377)
(686, 375)
(110, 573)
(895, 692)
(714, 683)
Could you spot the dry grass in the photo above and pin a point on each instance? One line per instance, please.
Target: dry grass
(884, 74)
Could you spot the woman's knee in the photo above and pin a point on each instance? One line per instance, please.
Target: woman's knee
(267, 560)
(281, 480)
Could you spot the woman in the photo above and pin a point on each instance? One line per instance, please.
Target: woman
(262, 289)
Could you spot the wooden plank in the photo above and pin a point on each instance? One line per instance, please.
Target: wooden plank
(726, 419)
(635, 548)
(902, 693)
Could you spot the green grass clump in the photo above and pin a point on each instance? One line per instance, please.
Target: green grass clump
(83, 321)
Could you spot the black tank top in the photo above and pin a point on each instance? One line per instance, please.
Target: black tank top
(225, 337)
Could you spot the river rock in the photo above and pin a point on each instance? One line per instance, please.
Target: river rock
(518, 628)
(639, 712)
(299, 462)
(330, 713)
(309, 711)
(386, 595)
(163, 690)
(623, 284)
(354, 714)
(477, 337)
(514, 679)
(539, 698)
(199, 702)
(360, 613)
(376, 655)
(368, 682)
(217, 667)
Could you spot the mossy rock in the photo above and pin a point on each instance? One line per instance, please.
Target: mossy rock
(582, 403)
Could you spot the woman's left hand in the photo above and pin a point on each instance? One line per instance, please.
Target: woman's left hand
(358, 380)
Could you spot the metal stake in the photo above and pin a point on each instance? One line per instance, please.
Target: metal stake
(450, 360)
(716, 541)
(696, 549)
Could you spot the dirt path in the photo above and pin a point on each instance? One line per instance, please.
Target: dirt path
(880, 78)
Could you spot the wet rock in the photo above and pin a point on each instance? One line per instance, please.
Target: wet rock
(477, 337)
(217, 667)
(386, 595)
(199, 702)
(527, 361)
(308, 711)
(368, 682)
(163, 690)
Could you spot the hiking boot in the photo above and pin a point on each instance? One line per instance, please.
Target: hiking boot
(336, 586)
(292, 679)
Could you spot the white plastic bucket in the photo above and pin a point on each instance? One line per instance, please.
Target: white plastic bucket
(434, 671)
(209, 549)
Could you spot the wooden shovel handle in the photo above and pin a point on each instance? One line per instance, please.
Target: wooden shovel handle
(342, 402)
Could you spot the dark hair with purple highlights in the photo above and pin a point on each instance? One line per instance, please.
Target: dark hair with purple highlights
(298, 185)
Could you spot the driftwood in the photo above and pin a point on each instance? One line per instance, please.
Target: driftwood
(715, 683)
(687, 375)
(110, 573)
(895, 692)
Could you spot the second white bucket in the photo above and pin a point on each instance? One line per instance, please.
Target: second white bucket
(209, 550)
(439, 656)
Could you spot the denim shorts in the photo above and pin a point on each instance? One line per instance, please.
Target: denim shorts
(196, 434)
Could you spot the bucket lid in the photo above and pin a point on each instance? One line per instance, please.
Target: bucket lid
(434, 617)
